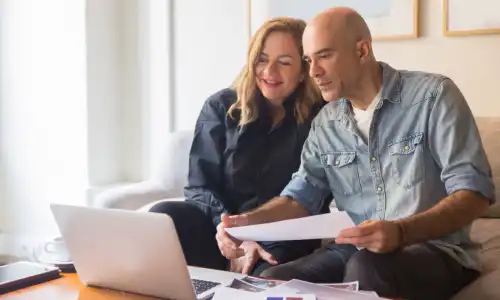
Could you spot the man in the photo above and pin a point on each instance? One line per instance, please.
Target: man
(401, 153)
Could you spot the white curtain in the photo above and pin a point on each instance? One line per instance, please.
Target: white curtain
(43, 113)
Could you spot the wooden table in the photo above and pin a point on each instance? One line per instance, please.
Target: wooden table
(70, 287)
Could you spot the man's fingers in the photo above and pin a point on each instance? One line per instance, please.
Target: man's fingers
(357, 231)
(234, 221)
(267, 257)
(225, 221)
(366, 222)
(361, 241)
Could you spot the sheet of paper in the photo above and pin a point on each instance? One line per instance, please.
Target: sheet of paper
(314, 227)
(322, 292)
(351, 286)
(226, 293)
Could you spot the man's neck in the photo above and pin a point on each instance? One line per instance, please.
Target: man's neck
(369, 86)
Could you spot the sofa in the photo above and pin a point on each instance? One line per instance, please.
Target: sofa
(168, 180)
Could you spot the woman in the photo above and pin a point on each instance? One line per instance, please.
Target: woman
(247, 145)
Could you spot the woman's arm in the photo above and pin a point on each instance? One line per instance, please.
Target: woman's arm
(205, 176)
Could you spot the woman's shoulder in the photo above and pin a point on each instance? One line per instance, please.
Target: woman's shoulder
(222, 99)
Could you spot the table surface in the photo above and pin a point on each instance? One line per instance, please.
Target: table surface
(67, 287)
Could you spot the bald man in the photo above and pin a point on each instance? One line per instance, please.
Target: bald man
(401, 153)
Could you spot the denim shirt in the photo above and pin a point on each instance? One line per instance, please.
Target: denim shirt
(423, 145)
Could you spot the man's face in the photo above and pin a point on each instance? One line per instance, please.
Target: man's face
(333, 61)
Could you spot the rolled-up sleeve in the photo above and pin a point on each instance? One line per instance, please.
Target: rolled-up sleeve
(456, 145)
(309, 185)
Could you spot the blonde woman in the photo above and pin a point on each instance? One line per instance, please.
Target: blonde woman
(247, 144)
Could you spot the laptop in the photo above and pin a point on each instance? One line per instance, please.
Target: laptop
(137, 252)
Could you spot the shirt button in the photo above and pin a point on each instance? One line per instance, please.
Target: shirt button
(406, 147)
(374, 158)
(337, 163)
(379, 189)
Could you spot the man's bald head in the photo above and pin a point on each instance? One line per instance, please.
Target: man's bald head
(337, 45)
(342, 22)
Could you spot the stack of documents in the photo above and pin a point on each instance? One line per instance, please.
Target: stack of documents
(315, 227)
(252, 288)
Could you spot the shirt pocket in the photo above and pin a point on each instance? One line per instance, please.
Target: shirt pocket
(342, 171)
(406, 157)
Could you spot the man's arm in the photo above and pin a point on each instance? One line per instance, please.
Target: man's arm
(456, 146)
(277, 209)
(449, 215)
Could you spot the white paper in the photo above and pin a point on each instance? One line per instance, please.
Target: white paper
(321, 292)
(314, 227)
(351, 286)
(225, 293)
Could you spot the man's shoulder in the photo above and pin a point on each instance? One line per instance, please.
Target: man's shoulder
(421, 78)
(417, 86)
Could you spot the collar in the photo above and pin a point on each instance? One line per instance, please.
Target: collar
(391, 91)
(391, 84)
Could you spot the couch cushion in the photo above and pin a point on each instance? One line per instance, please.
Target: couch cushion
(489, 129)
(485, 232)
(172, 171)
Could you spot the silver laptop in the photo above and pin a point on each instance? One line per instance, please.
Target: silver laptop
(137, 252)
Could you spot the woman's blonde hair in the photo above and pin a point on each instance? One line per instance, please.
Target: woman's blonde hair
(245, 84)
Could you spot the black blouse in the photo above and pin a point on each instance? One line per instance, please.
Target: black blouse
(234, 169)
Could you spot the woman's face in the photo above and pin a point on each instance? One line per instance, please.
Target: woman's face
(279, 67)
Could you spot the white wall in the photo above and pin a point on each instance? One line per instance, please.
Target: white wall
(473, 62)
(210, 40)
(180, 60)
(43, 131)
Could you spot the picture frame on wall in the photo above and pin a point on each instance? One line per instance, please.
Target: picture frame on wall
(467, 17)
(387, 19)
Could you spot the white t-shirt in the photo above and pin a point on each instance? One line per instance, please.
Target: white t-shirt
(364, 118)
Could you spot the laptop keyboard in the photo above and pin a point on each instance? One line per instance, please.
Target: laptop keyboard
(201, 286)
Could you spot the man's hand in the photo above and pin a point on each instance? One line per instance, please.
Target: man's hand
(376, 236)
(229, 246)
(253, 252)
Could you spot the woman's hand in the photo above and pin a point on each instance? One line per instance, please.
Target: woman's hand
(229, 246)
(252, 253)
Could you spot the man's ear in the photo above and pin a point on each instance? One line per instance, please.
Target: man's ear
(363, 49)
